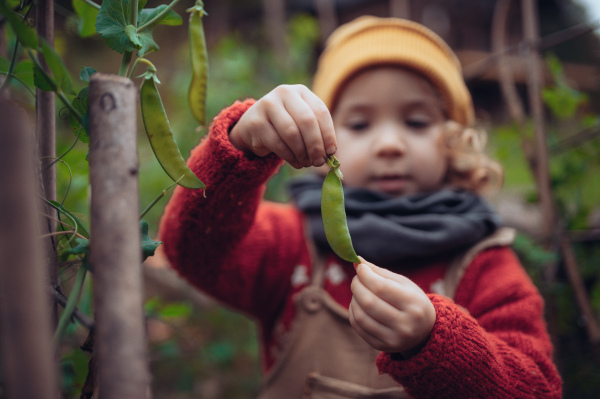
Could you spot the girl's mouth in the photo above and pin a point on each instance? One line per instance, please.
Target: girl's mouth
(391, 184)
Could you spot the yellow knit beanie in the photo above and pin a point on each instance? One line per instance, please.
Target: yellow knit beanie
(369, 41)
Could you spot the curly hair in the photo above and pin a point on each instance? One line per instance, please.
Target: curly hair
(469, 167)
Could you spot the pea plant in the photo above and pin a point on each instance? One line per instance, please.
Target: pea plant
(126, 27)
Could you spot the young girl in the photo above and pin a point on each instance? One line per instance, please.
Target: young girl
(439, 306)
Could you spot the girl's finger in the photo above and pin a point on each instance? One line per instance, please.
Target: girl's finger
(288, 131)
(396, 291)
(324, 119)
(377, 308)
(308, 126)
(268, 141)
(357, 323)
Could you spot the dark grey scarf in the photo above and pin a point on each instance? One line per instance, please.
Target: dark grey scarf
(386, 230)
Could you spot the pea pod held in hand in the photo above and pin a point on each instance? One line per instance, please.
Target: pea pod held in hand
(160, 134)
(199, 59)
(334, 213)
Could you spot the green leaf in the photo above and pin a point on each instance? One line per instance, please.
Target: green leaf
(86, 73)
(41, 81)
(148, 244)
(12, 4)
(80, 103)
(131, 33)
(25, 34)
(87, 18)
(4, 64)
(24, 71)
(141, 4)
(113, 25)
(60, 79)
(170, 18)
(80, 248)
(177, 309)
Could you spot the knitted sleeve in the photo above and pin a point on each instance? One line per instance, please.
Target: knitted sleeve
(230, 243)
(497, 348)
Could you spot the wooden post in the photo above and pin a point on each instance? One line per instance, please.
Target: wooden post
(115, 246)
(400, 9)
(534, 88)
(505, 75)
(28, 369)
(46, 144)
(327, 17)
(274, 20)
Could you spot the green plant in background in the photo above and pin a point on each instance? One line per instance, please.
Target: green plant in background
(213, 345)
(126, 27)
(574, 143)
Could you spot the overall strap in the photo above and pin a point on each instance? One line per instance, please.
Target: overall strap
(317, 259)
(501, 237)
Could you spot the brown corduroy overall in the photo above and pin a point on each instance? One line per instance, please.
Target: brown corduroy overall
(326, 359)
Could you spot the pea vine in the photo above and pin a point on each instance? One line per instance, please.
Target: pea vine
(127, 27)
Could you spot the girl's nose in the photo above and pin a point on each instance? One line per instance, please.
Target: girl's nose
(389, 142)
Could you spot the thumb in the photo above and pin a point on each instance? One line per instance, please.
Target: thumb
(385, 273)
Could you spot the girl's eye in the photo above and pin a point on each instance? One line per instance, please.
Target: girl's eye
(358, 125)
(418, 123)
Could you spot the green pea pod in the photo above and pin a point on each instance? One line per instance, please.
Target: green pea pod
(199, 58)
(161, 136)
(334, 213)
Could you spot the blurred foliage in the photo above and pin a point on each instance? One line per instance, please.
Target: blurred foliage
(575, 181)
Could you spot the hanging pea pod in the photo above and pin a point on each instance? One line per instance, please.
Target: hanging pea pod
(161, 136)
(199, 58)
(334, 213)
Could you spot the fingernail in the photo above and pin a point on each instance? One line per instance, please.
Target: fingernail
(331, 150)
(319, 162)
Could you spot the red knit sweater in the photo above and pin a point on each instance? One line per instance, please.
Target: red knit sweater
(252, 255)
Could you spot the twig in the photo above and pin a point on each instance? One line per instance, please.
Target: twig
(158, 197)
(68, 150)
(507, 85)
(81, 317)
(585, 235)
(87, 391)
(577, 282)
(70, 306)
(58, 221)
(58, 233)
(575, 140)
(478, 68)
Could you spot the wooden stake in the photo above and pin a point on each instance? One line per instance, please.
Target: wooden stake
(400, 9)
(327, 16)
(115, 246)
(46, 144)
(28, 369)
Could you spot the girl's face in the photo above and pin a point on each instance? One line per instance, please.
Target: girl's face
(388, 123)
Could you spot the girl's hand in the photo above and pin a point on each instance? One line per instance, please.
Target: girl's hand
(290, 121)
(389, 311)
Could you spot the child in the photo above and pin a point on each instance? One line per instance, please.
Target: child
(447, 312)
